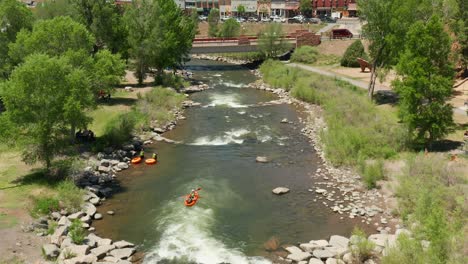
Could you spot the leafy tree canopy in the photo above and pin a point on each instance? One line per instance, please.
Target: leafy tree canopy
(271, 42)
(213, 20)
(354, 51)
(230, 28)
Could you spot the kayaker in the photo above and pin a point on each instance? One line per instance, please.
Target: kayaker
(192, 194)
(142, 154)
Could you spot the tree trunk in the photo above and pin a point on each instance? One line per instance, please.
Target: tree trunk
(370, 90)
(159, 76)
(72, 133)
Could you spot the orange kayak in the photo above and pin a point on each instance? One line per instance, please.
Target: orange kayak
(193, 202)
(136, 160)
(150, 161)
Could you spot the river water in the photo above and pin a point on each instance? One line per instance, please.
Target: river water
(237, 212)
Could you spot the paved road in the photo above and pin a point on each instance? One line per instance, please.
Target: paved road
(361, 84)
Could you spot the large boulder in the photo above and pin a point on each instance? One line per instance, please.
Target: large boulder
(57, 235)
(104, 169)
(339, 241)
(50, 251)
(123, 244)
(77, 250)
(76, 215)
(280, 190)
(323, 253)
(314, 244)
(383, 240)
(315, 261)
(101, 251)
(64, 221)
(299, 256)
(122, 165)
(89, 209)
(122, 253)
(87, 259)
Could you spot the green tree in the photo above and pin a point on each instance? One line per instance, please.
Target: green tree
(459, 23)
(354, 51)
(163, 36)
(240, 10)
(14, 16)
(271, 41)
(387, 23)
(230, 28)
(306, 7)
(213, 20)
(108, 70)
(54, 8)
(104, 19)
(45, 97)
(426, 81)
(53, 37)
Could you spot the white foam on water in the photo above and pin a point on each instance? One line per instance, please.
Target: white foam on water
(241, 112)
(229, 137)
(217, 75)
(186, 236)
(234, 85)
(229, 100)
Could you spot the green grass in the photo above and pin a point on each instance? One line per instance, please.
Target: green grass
(44, 205)
(356, 128)
(158, 105)
(327, 60)
(372, 172)
(76, 232)
(363, 249)
(102, 116)
(305, 54)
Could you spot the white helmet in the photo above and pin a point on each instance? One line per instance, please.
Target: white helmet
(193, 190)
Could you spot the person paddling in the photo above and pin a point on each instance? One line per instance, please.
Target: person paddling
(142, 154)
(155, 156)
(191, 196)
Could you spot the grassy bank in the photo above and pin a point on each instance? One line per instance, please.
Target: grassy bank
(430, 188)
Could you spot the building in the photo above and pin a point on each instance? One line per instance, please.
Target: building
(250, 6)
(264, 8)
(180, 3)
(225, 8)
(326, 7)
(284, 8)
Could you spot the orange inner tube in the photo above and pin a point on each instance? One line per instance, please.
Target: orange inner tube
(150, 161)
(136, 160)
(193, 202)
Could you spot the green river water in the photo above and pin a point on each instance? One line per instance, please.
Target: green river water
(237, 212)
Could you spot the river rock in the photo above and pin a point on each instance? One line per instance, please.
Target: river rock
(284, 120)
(293, 249)
(261, 159)
(78, 250)
(59, 232)
(122, 253)
(339, 241)
(64, 221)
(299, 256)
(110, 212)
(101, 251)
(320, 191)
(76, 215)
(280, 190)
(323, 253)
(56, 215)
(89, 209)
(87, 259)
(86, 219)
(122, 165)
(104, 169)
(104, 163)
(334, 261)
(50, 251)
(348, 258)
(104, 242)
(95, 200)
(67, 242)
(319, 243)
(123, 244)
(98, 216)
(383, 240)
(315, 261)
(312, 245)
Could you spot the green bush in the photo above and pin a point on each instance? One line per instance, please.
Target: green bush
(44, 205)
(362, 249)
(372, 172)
(407, 251)
(305, 54)
(159, 105)
(230, 28)
(354, 51)
(76, 232)
(119, 130)
(278, 75)
(70, 195)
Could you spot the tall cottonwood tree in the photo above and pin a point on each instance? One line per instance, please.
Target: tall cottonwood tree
(160, 36)
(213, 20)
(44, 97)
(425, 81)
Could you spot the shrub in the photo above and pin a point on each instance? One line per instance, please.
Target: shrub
(119, 130)
(354, 51)
(407, 251)
(372, 172)
(159, 104)
(77, 232)
(230, 28)
(70, 195)
(278, 75)
(362, 249)
(44, 205)
(305, 54)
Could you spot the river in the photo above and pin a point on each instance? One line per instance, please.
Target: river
(237, 212)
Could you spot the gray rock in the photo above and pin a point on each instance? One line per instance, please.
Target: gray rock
(293, 249)
(50, 251)
(104, 242)
(383, 240)
(123, 253)
(110, 212)
(78, 250)
(64, 221)
(95, 200)
(123, 244)
(87, 259)
(299, 256)
(284, 120)
(122, 165)
(105, 163)
(319, 243)
(280, 190)
(67, 242)
(59, 232)
(101, 251)
(348, 258)
(323, 253)
(86, 219)
(312, 245)
(55, 215)
(369, 261)
(76, 215)
(104, 169)
(320, 191)
(261, 159)
(339, 241)
(315, 261)
(98, 216)
(89, 209)
(334, 261)
(400, 231)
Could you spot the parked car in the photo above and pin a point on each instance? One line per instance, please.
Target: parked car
(252, 19)
(297, 19)
(240, 19)
(225, 18)
(278, 19)
(341, 33)
(314, 20)
(328, 19)
(202, 18)
(265, 19)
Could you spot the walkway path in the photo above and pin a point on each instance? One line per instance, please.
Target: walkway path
(360, 84)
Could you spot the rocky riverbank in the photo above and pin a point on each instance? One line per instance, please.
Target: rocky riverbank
(219, 58)
(338, 188)
(100, 180)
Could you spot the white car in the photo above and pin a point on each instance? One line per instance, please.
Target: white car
(279, 19)
(240, 20)
(225, 18)
(265, 19)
